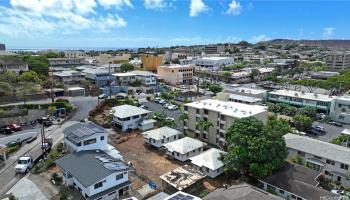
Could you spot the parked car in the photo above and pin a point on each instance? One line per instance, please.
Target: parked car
(162, 101)
(102, 96)
(143, 106)
(47, 123)
(335, 123)
(319, 128)
(5, 130)
(157, 99)
(166, 105)
(173, 107)
(321, 116)
(170, 119)
(14, 143)
(15, 127)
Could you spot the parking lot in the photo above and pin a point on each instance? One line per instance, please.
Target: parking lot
(331, 131)
(156, 107)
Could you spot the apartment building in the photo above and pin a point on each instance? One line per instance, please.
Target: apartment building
(213, 49)
(74, 54)
(65, 62)
(147, 78)
(126, 117)
(338, 60)
(214, 63)
(123, 79)
(330, 159)
(340, 109)
(220, 114)
(13, 66)
(99, 77)
(245, 91)
(150, 62)
(69, 77)
(300, 98)
(176, 74)
(2, 47)
(95, 174)
(104, 58)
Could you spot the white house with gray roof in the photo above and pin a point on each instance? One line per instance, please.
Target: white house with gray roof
(209, 162)
(330, 159)
(184, 148)
(95, 174)
(85, 136)
(160, 136)
(127, 117)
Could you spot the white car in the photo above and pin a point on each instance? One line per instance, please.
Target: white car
(24, 164)
(173, 107)
(166, 105)
(170, 119)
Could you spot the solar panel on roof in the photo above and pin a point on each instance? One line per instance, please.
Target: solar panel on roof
(116, 166)
(180, 196)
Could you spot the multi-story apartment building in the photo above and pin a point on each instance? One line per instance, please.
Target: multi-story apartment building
(176, 74)
(123, 79)
(214, 63)
(338, 60)
(99, 77)
(74, 54)
(69, 77)
(245, 91)
(65, 62)
(213, 49)
(147, 78)
(2, 47)
(299, 98)
(150, 62)
(340, 109)
(13, 66)
(220, 114)
(330, 159)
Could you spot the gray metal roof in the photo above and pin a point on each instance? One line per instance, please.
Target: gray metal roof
(319, 148)
(80, 131)
(90, 167)
(240, 192)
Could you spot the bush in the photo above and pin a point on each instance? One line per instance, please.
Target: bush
(12, 149)
(64, 191)
(12, 197)
(60, 147)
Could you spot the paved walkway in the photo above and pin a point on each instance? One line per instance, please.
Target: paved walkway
(25, 189)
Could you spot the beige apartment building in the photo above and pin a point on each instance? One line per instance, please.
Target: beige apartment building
(338, 60)
(176, 74)
(221, 114)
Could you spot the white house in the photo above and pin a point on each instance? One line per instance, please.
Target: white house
(127, 117)
(340, 109)
(214, 63)
(95, 174)
(184, 148)
(330, 159)
(160, 136)
(209, 162)
(85, 136)
(147, 78)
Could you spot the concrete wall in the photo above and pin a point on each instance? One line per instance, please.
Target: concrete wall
(32, 115)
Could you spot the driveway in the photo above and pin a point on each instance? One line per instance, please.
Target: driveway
(156, 107)
(331, 131)
(25, 189)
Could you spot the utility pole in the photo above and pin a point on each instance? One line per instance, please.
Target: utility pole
(109, 80)
(51, 85)
(43, 138)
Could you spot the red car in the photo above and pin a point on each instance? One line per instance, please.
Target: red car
(15, 127)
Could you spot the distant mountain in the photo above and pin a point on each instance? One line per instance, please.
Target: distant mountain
(333, 44)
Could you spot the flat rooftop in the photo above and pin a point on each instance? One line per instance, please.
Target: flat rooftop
(244, 98)
(176, 66)
(214, 58)
(124, 111)
(233, 109)
(303, 95)
(182, 177)
(245, 90)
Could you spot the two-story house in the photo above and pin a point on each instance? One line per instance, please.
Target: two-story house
(95, 174)
(330, 159)
(85, 136)
(218, 116)
(184, 148)
(127, 117)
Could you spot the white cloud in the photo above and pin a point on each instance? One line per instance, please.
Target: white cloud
(234, 8)
(328, 32)
(38, 17)
(115, 3)
(197, 7)
(154, 4)
(258, 38)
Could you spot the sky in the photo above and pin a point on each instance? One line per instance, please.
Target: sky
(161, 23)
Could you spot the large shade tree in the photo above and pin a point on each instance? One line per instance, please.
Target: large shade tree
(256, 149)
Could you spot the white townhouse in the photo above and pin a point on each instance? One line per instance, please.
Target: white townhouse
(184, 148)
(95, 174)
(127, 117)
(340, 109)
(147, 78)
(209, 162)
(160, 136)
(85, 136)
(214, 63)
(330, 159)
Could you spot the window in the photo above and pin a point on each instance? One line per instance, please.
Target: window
(318, 157)
(177, 153)
(119, 176)
(331, 162)
(102, 138)
(300, 153)
(204, 136)
(338, 178)
(112, 193)
(197, 111)
(222, 117)
(79, 144)
(344, 166)
(281, 191)
(206, 112)
(185, 108)
(328, 173)
(91, 141)
(98, 185)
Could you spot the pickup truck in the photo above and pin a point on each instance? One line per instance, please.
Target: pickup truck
(24, 164)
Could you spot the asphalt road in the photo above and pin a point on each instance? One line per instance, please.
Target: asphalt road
(7, 174)
(331, 131)
(155, 107)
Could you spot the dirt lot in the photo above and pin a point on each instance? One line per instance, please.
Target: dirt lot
(149, 163)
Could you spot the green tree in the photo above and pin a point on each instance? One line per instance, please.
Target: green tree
(30, 76)
(254, 73)
(126, 67)
(254, 149)
(9, 77)
(183, 117)
(227, 75)
(136, 83)
(5, 89)
(204, 125)
(215, 88)
(302, 122)
(39, 64)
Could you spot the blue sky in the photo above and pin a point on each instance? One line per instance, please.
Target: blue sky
(142, 23)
